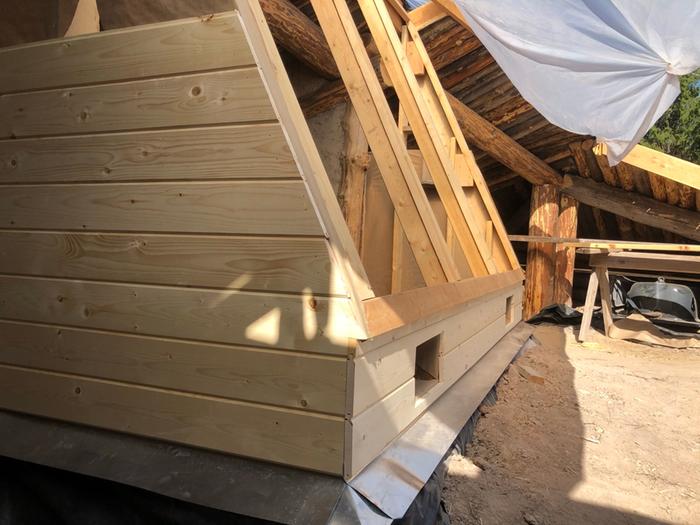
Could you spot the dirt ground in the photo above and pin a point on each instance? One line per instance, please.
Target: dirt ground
(611, 437)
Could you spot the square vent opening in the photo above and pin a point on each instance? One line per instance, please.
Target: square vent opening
(427, 372)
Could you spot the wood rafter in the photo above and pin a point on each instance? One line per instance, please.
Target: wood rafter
(401, 180)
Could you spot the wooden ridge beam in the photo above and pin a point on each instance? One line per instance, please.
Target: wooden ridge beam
(299, 35)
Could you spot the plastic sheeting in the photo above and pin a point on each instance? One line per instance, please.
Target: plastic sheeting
(607, 68)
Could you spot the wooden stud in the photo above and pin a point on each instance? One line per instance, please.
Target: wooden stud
(384, 137)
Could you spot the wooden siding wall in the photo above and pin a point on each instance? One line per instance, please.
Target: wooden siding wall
(162, 269)
(386, 399)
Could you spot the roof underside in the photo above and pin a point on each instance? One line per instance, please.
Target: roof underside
(470, 73)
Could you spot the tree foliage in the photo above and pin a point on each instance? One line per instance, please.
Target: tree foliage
(677, 132)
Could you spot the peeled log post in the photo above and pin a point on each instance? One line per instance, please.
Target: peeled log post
(565, 255)
(487, 137)
(539, 272)
(298, 34)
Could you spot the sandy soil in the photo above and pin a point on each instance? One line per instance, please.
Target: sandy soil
(611, 437)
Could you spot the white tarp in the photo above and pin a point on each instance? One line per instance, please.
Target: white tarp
(607, 68)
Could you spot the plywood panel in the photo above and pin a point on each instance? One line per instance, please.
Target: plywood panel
(213, 207)
(252, 263)
(190, 100)
(228, 152)
(281, 435)
(301, 381)
(195, 44)
(314, 324)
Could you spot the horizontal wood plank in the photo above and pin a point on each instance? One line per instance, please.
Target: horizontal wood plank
(301, 381)
(279, 435)
(251, 263)
(279, 207)
(194, 44)
(249, 151)
(228, 96)
(298, 322)
(394, 311)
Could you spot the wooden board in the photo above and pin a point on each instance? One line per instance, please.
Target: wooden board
(197, 44)
(173, 262)
(314, 324)
(280, 435)
(392, 312)
(301, 381)
(386, 142)
(252, 207)
(249, 151)
(209, 261)
(190, 100)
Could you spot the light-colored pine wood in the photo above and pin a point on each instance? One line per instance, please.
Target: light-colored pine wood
(86, 19)
(190, 100)
(273, 434)
(297, 322)
(301, 381)
(385, 139)
(604, 244)
(381, 370)
(375, 428)
(660, 163)
(377, 246)
(252, 263)
(591, 292)
(422, 119)
(195, 44)
(605, 298)
(388, 313)
(481, 206)
(211, 207)
(450, 7)
(229, 152)
(344, 255)
(426, 14)
(659, 262)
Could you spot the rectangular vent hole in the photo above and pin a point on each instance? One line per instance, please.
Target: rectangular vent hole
(509, 309)
(427, 373)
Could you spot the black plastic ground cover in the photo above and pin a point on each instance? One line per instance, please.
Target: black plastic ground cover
(37, 495)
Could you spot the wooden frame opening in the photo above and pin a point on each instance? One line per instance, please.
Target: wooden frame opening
(427, 368)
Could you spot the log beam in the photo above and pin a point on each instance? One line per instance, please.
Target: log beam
(635, 207)
(299, 35)
(501, 147)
